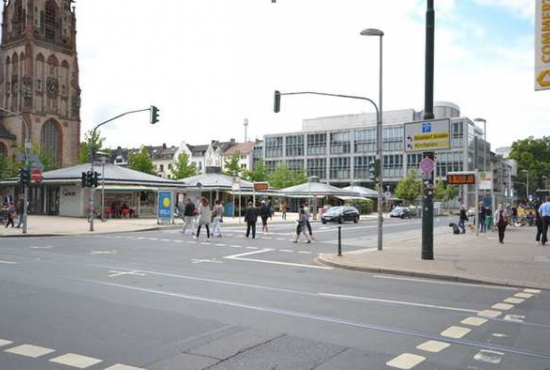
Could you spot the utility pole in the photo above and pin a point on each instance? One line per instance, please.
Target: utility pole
(428, 203)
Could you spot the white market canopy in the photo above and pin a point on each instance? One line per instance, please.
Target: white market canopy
(316, 189)
(215, 181)
(364, 192)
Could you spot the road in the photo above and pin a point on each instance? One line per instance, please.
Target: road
(162, 300)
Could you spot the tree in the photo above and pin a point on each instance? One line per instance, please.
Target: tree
(440, 191)
(409, 188)
(532, 155)
(182, 168)
(284, 177)
(451, 192)
(259, 173)
(91, 140)
(141, 161)
(232, 165)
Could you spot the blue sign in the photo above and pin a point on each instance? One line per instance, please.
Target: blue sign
(165, 204)
(426, 127)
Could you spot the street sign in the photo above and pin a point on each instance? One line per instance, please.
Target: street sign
(261, 186)
(427, 166)
(461, 178)
(485, 181)
(36, 174)
(426, 136)
(542, 46)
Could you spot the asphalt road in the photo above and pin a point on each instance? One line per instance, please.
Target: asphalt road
(162, 300)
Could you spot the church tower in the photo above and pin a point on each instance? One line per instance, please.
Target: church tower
(39, 78)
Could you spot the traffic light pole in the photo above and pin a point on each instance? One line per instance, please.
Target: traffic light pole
(154, 119)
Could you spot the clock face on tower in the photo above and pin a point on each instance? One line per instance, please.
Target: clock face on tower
(52, 88)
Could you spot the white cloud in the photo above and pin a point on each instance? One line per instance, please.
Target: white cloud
(521, 8)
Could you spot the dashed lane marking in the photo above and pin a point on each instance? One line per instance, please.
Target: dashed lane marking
(254, 248)
(433, 346)
(286, 250)
(115, 273)
(489, 313)
(455, 332)
(213, 260)
(523, 295)
(41, 247)
(474, 321)
(491, 357)
(235, 246)
(4, 342)
(74, 360)
(221, 245)
(305, 252)
(8, 263)
(28, 350)
(123, 367)
(534, 291)
(502, 306)
(514, 300)
(405, 361)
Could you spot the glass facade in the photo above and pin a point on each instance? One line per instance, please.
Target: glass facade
(361, 166)
(295, 164)
(274, 147)
(317, 167)
(271, 165)
(340, 168)
(392, 137)
(317, 144)
(294, 146)
(448, 162)
(393, 165)
(340, 142)
(365, 141)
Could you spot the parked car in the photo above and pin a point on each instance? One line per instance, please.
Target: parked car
(401, 212)
(340, 215)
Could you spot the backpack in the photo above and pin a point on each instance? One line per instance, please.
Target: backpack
(502, 219)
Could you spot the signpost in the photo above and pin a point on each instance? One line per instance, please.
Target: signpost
(542, 46)
(425, 136)
(36, 174)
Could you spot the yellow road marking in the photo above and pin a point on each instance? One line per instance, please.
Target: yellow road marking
(455, 332)
(523, 295)
(514, 300)
(503, 306)
(28, 350)
(4, 342)
(405, 361)
(474, 321)
(489, 313)
(74, 360)
(433, 346)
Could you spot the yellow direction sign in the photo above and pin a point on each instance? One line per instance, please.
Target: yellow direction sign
(425, 136)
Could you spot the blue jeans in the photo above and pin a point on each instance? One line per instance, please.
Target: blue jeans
(462, 227)
(482, 225)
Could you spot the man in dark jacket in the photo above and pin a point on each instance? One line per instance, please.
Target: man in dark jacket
(251, 217)
(21, 210)
(188, 215)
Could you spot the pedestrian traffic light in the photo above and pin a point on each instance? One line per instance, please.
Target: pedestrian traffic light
(374, 169)
(95, 180)
(277, 105)
(25, 176)
(154, 114)
(84, 180)
(90, 179)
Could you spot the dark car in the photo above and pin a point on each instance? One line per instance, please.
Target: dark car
(401, 212)
(341, 214)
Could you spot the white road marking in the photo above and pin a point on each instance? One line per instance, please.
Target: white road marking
(305, 252)
(191, 242)
(502, 306)
(405, 361)
(123, 367)
(474, 321)
(405, 303)
(523, 295)
(281, 239)
(74, 360)
(165, 240)
(4, 342)
(286, 250)
(213, 260)
(238, 257)
(255, 248)
(433, 346)
(221, 245)
(153, 239)
(489, 313)
(28, 350)
(455, 332)
(499, 335)
(514, 300)
(514, 318)
(42, 247)
(8, 263)
(116, 273)
(235, 246)
(533, 291)
(443, 282)
(491, 357)
(112, 252)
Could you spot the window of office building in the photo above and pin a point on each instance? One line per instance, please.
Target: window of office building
(295, 146)
(457, 134)
(316, 144)
(340, 142)
(271, 165)
(448, 162)
(274, 147)
(317, 167)
(392, 137)
(340, 168)
(295, 164)
(365, 141)
(393, 165)
(361, 166)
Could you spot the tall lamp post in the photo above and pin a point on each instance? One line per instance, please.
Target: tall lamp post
(527, 187)
(379, 134)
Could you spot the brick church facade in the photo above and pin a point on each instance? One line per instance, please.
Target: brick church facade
(39, 78)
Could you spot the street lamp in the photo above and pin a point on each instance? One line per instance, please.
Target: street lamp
(527, 187)
(379, 136)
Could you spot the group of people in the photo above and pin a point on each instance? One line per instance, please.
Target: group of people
(14, 211)
(503, 217)
(121, 210)
(202, 215)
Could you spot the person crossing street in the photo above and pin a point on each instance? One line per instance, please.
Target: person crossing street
(544, 211)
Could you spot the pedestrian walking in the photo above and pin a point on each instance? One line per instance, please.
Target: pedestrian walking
(264, 215)
(515, 215)
(217, 215)
(306, 220)
(482, 217)
(544, 211)
(282, 209)
(11, 214)
(21, 211)
(501, 220)
(538, 223)
(188, 216)
(462, 218)
(251, 217)
(301, 227)
(204, 217)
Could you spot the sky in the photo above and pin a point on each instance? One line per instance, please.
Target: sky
(210, 64)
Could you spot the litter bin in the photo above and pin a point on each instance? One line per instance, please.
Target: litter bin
(489, 222)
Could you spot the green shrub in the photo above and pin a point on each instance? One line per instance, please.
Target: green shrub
(364, 206)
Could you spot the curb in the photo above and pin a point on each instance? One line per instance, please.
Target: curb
(80, 234)
(323, 261)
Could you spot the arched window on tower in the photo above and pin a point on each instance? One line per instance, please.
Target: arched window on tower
(7, 87)
(50, 20)
(14, 82)
(18, 19)
(50, 141)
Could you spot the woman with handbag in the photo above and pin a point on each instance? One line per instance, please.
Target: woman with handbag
(204, 217)
(501, 221)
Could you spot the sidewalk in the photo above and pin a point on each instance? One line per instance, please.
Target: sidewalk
(54, 226)
(467, 258)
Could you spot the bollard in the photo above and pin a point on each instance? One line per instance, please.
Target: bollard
(339, 241)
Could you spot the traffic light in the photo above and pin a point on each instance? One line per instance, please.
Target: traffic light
(374, 169)
(84, 180)
(154, 114)
(90, 179)
(95, 180)
(277, 105)
(25, 176)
